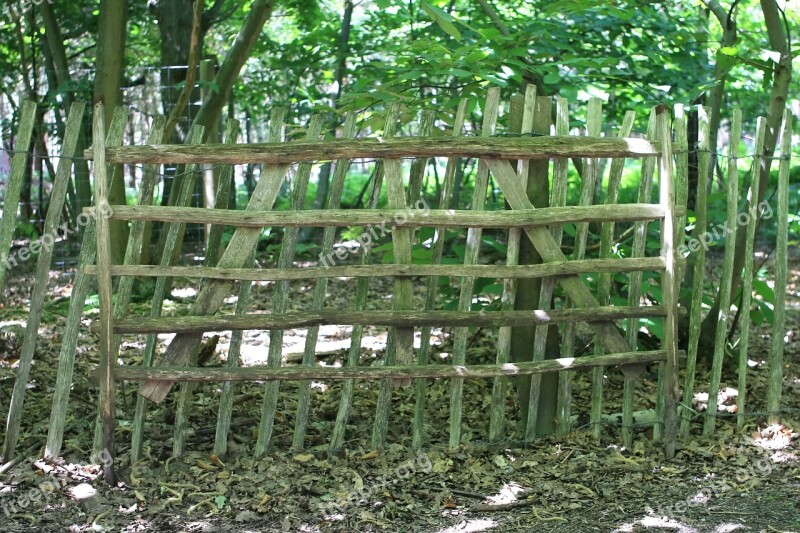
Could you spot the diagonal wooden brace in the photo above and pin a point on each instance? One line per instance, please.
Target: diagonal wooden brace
(510, 184)
(214, 292)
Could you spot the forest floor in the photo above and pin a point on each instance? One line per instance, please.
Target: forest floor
(735, 480)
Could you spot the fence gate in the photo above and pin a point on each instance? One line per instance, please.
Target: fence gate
(505, 159)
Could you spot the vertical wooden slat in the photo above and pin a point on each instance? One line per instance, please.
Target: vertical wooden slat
(658, 428)
(16, 176)
(699, 276)
(681, 194)
(612, 197)
(225, 413)
(80, 290)
(362, 290)
(471, 258)
(107, 357)
(537, 116)
(184, 192)
(222, 197)
(604, 279)
(681, 179)
(280, 296)
(234, 351)
(69, 340)
(56, 208)
(212, 253)
(320, 288)
(747, 277)
(640, 233)
(136, 234)
(727, 272)
(775, 384)
(558, 198)
(591, 166)
(680, 191)
(590, 169)
(437, 250)
(417, 173)
(401, 351)
(669, 289)
(272, 176)
(534, 176)
(497, 416)
(520, 121)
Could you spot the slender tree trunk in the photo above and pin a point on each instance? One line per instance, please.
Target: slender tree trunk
(721, 68)
(781, 78)
(55, 43)
(342, 54)
(211, 110)
(112, 25)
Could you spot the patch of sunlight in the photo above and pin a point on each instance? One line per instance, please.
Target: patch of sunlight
(726, 528)
(184, 293)
(471, 526)
(322, 387)
(507, 494)
(656, 522)
(774, 437)
(541, 314)
(200, 526)
(700, 498)
(566, 362)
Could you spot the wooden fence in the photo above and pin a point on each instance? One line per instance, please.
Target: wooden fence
(235, 263)
(506, 161)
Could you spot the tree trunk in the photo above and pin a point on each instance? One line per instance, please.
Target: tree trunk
(528, 290)
(107, 88)
(174, 19)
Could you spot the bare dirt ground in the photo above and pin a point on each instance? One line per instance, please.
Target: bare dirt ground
(732, 481)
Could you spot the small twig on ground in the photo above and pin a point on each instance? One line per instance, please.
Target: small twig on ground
(457, 492)
(483, 507)
(16, 460)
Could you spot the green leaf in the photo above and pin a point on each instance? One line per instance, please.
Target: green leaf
(475, 55)
(552, 78)
(764, 290)
(441, 18)
(220, 501)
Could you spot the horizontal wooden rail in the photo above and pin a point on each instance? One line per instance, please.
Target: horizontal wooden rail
(262, 373)
(188, 324)
(557, 268)
(371, 148)
(388, 218)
